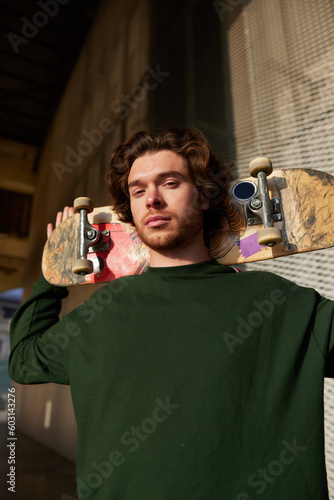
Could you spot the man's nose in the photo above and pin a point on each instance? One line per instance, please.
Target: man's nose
(154, 199)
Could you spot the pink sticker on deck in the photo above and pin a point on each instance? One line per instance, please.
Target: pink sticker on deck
(249, 246)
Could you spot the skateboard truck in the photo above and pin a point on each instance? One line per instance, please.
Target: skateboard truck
(262, 206)
(276, 212)
(90, 239)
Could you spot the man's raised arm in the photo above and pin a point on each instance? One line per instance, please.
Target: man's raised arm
(34, 332)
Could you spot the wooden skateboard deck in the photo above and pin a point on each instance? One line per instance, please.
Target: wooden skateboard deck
(304, 200)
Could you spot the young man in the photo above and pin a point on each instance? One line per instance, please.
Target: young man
(192, 381)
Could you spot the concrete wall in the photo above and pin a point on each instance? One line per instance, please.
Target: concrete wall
(105, 101)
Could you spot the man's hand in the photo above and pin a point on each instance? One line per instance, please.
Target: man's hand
(61, 216)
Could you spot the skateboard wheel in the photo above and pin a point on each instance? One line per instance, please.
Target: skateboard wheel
(82, 266)
(269, 236)
(261, 164)
(83, 202)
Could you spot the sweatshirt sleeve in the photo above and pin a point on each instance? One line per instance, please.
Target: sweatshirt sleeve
(324, 333)
(36, 355)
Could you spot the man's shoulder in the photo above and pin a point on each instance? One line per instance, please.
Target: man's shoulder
(266, 277)
(267, 280)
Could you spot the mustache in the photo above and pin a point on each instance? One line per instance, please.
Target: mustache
(155, 213)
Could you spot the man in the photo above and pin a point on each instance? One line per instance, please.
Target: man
(192, 381)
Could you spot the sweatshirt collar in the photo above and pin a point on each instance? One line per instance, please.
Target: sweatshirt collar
(189, 268)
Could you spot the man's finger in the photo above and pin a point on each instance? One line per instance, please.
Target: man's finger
(67, 212)
(61, 216)
(49, 229)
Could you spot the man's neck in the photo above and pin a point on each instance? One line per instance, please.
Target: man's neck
(178, 257)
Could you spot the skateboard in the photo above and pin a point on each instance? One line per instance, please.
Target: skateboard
(270, 214)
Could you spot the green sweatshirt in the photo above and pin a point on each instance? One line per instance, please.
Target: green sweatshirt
(188, 383)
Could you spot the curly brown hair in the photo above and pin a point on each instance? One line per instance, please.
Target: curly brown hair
(209, 175)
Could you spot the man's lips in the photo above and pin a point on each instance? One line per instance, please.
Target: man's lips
(157, 220)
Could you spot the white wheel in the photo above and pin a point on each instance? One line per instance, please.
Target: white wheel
(269, 236)
(260, 165)
(82, 266)
(83, 202)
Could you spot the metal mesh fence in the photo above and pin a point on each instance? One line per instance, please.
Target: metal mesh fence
(282, 67)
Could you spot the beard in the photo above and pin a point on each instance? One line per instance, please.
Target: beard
(179, 231)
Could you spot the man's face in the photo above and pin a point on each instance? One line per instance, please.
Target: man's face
(165, 204)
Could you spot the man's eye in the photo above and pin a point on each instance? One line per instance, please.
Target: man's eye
(171, 184)
(138, 192)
